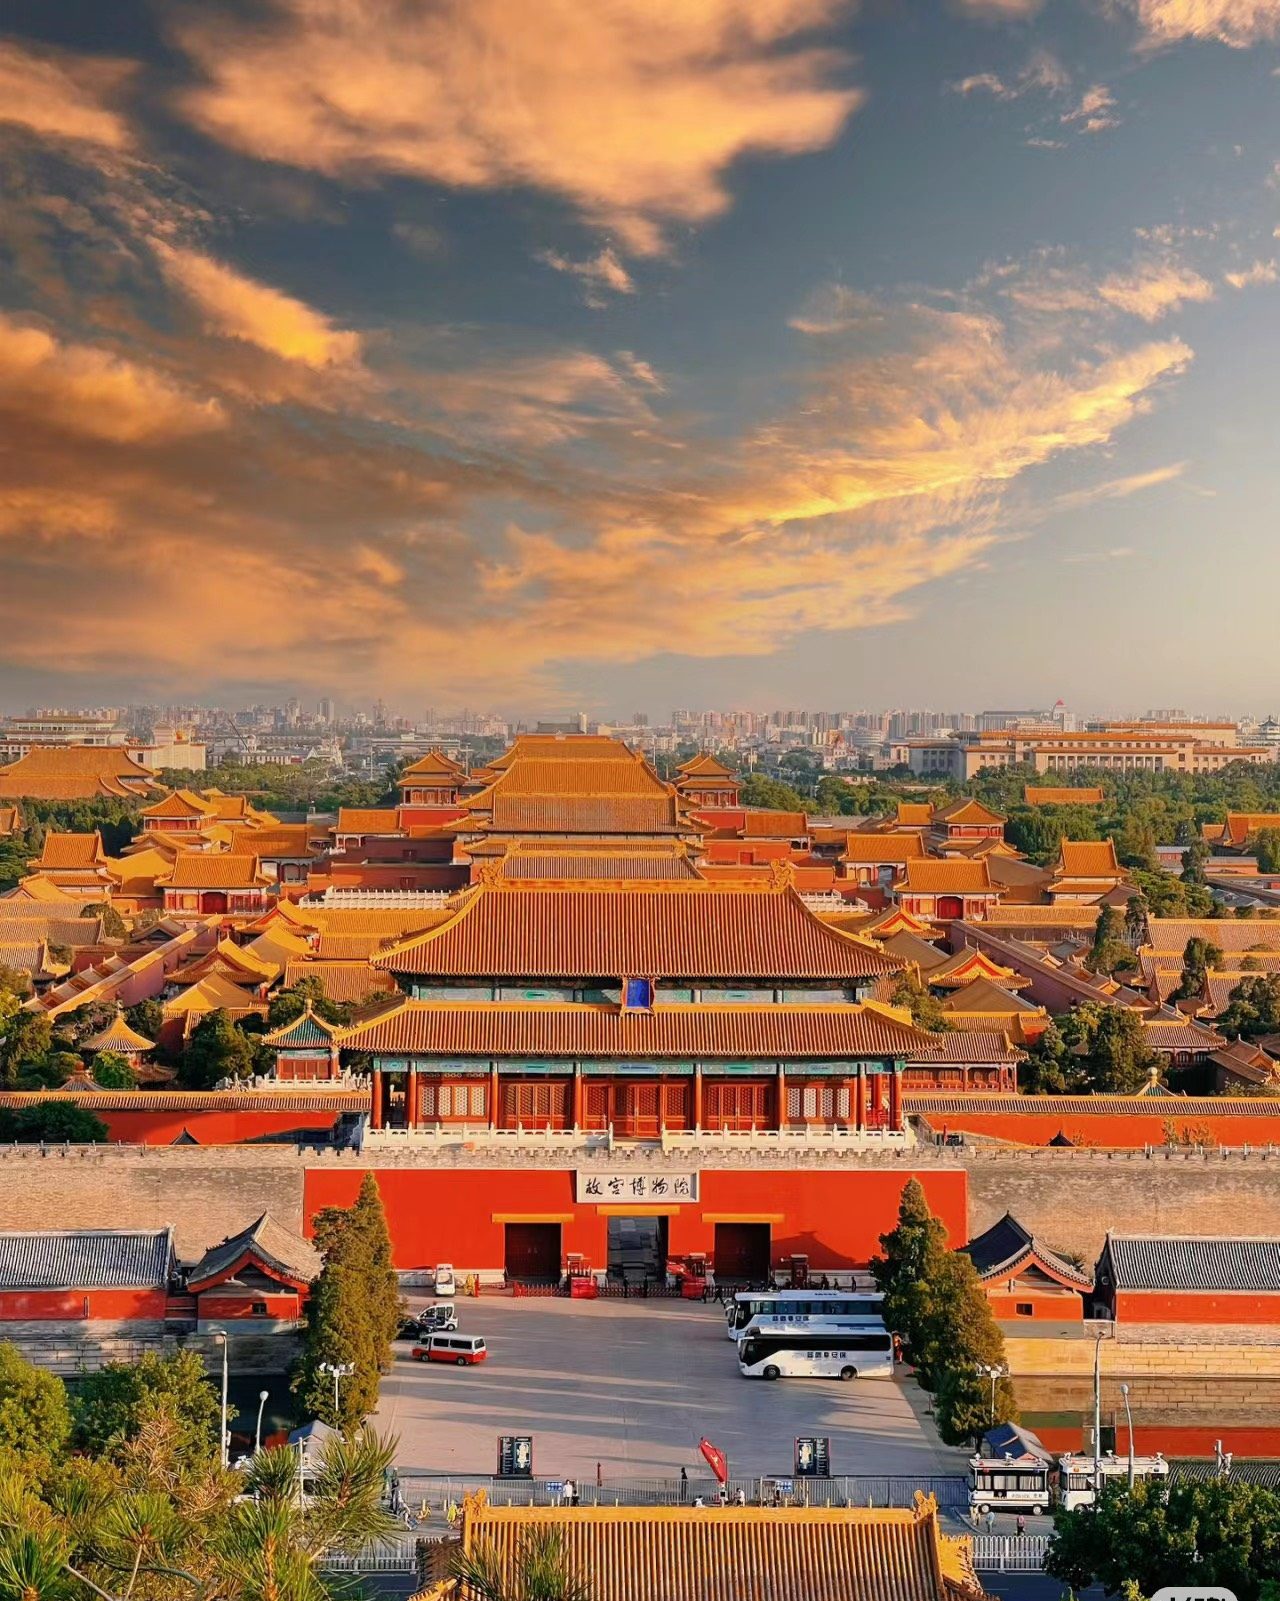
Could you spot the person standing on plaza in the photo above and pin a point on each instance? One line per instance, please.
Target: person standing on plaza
(570, 1493)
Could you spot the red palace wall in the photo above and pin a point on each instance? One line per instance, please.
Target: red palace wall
(32, 1306)
(1064, 1308)
(1149, 1306)
(1099, 1131)
(206, 1128)
(448, 1215)
(280, 1308)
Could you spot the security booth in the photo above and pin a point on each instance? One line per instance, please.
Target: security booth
(799, 1271)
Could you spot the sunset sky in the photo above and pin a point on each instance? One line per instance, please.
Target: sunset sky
(623, 354)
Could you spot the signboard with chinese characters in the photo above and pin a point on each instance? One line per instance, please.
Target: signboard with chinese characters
(813, 1456)
(515, 1456)
(641, 1188)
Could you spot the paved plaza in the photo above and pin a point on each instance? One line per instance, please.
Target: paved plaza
(631, 1386)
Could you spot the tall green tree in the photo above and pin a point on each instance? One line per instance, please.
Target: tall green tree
(915, 1253)
(51, 1123)
(1194, 858)
(925, 1007)
(1109, 949)
(113, 1072)
(1226, 1533)
(1253, 1008)
(1198, 956)
(1266, 848)
(287, 1004)
(353, 1312)
(28, 1037)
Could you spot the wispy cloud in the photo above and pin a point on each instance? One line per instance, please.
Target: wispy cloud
(1115, 553)
(632, 118)
(1001, 10)
(1095, 112)
(1238, 23)
(239, 307)
(1155, 284)
(600, 275)
(1261, 272)
(65, 97)
(1119, 488)
(1042, 71)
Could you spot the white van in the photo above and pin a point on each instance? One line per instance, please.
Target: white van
(461, 1349)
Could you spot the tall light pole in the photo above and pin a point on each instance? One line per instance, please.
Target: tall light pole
(221, 1334)
(1097, 1417)
(993, 1372)
(1128, 1419)
(257, 1433)
(340, 1370)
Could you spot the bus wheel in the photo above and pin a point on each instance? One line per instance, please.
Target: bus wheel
(982, 1509)
(771, 1372)
(461, 1361)
(1037, 1511)
(848, 1373)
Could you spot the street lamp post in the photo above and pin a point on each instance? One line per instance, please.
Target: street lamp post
(993, 1372)
(221, 1334)
(257, 1433)
(340, 1370)
(1128, 1419)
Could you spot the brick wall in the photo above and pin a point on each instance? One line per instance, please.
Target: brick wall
(1068, 1198)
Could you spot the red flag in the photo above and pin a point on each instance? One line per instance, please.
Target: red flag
(716, 1459)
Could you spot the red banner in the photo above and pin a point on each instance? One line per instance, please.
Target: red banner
(716, 1459)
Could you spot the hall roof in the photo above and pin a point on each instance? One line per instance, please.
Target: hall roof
(1088, 858)
(863, 846)
(367, 820)
(562, 861)
(71, 852)
(573, 813)
(340, 980)
(687, 1553)
(573, 1030)
(268, 1242)
(75, 772)
(86, 1259)
(705, 766)
(966, 810)
(653, 930)
(955, 876)
(1240, 825)
(914, 814)
(1007, 1248)
(1190, 1262)
(303, 1030)
(207, 870)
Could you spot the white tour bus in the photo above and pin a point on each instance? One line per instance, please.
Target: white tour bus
(1022, 1484)
(799, 1303)
(766, 1323)
(1075, 1475)
(817, 1354)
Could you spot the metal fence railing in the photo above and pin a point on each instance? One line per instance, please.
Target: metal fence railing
(1009, 1553)
(389, 1556)
(438, 1492)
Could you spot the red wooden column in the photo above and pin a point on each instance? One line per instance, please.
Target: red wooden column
(375, 1109)
(895, 1101)
(782, 1098)
(577, 1097)
(495, 1110)
(412, 1088)
(859, 1102)
(875, 1098)
(697, 1095)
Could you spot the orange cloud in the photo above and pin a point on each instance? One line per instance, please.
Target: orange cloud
(1238, 23)
(60, 96)
(1155, 285)
(632, 111)
(83, 390)
(238, 307)
(599, 274)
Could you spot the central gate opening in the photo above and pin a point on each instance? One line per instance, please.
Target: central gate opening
(638, 1249)
(742, 1253)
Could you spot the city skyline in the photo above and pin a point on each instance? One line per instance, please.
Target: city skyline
(785, 353)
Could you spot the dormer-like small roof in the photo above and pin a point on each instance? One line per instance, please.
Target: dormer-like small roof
(705, 766)
(305, 1030)
(118, 1036)
(967, 810)
(71, 853)
(265, 1243)
(434, 765)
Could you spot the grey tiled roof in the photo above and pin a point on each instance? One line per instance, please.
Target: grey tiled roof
(1006, 1245)
(1154, 1262)
(86, 1259)
(272, 1244)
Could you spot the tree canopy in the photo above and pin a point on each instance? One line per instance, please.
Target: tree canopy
(112, 1406)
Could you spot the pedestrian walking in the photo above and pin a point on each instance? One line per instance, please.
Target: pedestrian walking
(570, 1493)
(1021, 1525)
(684, 1484)
(991, 1521)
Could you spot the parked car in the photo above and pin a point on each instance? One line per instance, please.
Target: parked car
(444, 1280)
(461, 1349)
(431, 1320)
